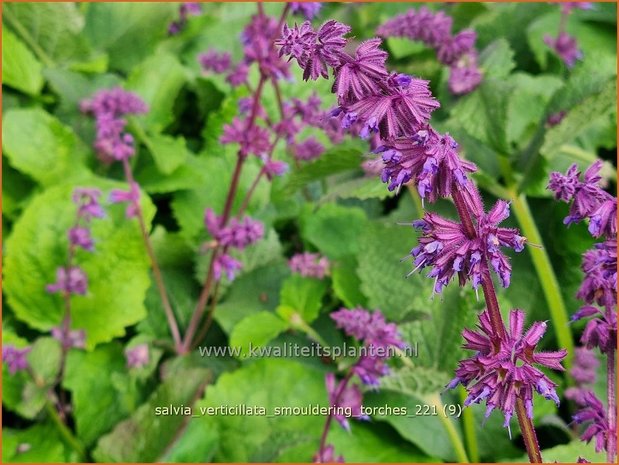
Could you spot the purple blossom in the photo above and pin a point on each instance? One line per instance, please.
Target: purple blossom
(185, 10)
(600, 275)
(87, 200)
(15, 359)
(273, 168)
(567, 7)
(238, 75)
(429, 159)
(307, 150)
(594, 415)
(79, 236)
(238, 233)
(565, 46)
(309, 10)
(422, 25)
(215, 61)
(327, 455)
(464, 75)
(73, 339)
(445, 247)
(108, 107)
(69, 280)
(137, 356)
(451, 49)
(253, 140)
(600, 331)
(502, 369)
(556, 118)
(224, 263)
(584, 372)
(132, 197)
(345, 396)
(310, 265)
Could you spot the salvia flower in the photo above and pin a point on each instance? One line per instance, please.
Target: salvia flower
(594, 415)
(327, 455)
(445, 246)
(224, 263)
(309, 10)
(601, 331)
(87, 200)
(429, 159)
(307, 150)
(185, 10)
(273, 168)
(71, 280)
(347, 397)
(565, 46)
(131, 197)
(464, 75)
(15, 359)
(108, 106)
(72, 339)
(584, 372)
(238, 233)
(600, 275)
(137, 356)
(503, 367)
(310, 265)
(215, 61)
(79, 236)
(253, 140)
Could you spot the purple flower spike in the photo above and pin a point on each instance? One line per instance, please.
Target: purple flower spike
(80, 237)
(72, 280)
(465, 75)
(215, 61)
(445, 247)
(600, 282)
(566, 47)
(310, 265)
(273, 168)
(348, 398)
(15, 359)
(254, 140)
(238, 233)
(594, 414)
(132, 197)
(307, 150)
(137, 356)
(309, 10)
(226, 264)
(502, 370)
(74, 339)
(87, 199)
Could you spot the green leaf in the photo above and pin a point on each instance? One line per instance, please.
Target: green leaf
(51, 30)
(578, 118)
(129, 32)
(192, 174)
(38, 145)
(569, 453)
(89, 376)
(40, 443)
(334, 229)
(158, 80)
(265, 438)
(146, 436)
(358, 188)
(256, 330)
(169, 152)
(117, 271)
(303, 295)
(346, 283)
(251, 293)
(333, 161)
(22, 71)
(497, 59)
(382, 272)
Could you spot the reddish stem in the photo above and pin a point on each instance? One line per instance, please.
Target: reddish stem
(611, 440)
(325, 430)
(173, 325)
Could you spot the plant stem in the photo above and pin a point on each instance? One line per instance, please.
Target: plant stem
(546, 276)
(172, 324)
(611, 444)
(496, 320)
(468, 424)
(452, 432)
(338, 394)
(65, 432)
(232, 190)
(528, 433)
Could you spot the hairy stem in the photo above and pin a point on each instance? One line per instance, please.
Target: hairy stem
(611, 440)
(546, 276)
(158, 276)
(492, 304)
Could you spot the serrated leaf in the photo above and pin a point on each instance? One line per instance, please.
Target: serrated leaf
(358, 188)
(97, 405)
(569, 453)
(117, 271)
(22, 71)
(192, 174)
(40, 146)
(40, 443)
(255, 331)
(304, 295)
(132, 439)
(334, 229)
(157, 80)
(168, 152)
(346, 283)
(497, 59)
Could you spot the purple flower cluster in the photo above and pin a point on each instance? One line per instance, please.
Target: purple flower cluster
(589, 200)
(565, 45)
(308, 10)
(215, 61)
(131, 197)
(445, 246)
(15, 359)
(377, 336)
(435, 30)
(185, 10)
(310, 265)
(594, 414)
(108, 107)
(137, 356)
(238, 234)
(584, 373)
(502, 369)
(70, 339)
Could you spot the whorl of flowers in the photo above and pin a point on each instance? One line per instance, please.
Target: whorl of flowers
(565, 45)
(15, 359)
(503, 367)
(310, 265)
(308, 10)
(435, 30)
(185, 10)
(108, 108)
